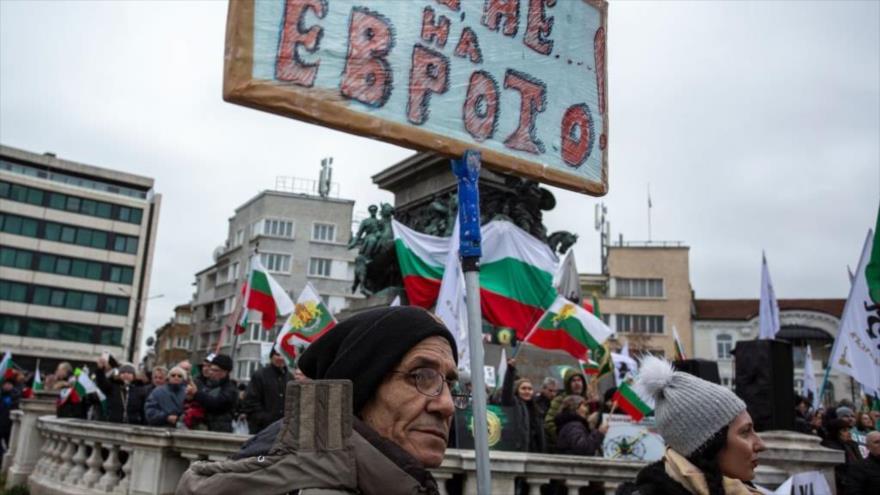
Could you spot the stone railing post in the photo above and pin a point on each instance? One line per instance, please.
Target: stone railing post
(15, 417)
(29, 442)
(159, 467)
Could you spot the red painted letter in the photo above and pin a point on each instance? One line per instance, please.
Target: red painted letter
(429, 74)
(438, 32)
(533, 99)
(367, 75)
(577, 135)
(495, 10)
(288, 66)
(468, 46)
(481, 106)
(452, 4)
(538, 27)
(599, 55)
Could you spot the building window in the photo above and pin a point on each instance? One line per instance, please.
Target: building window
(727, 382)
(66, 202)
(325, 232)
(723, 345)
(639, 323)
(277, 228)
(639, 287)
(319, 267)
(276, 262)
(239, 237)
(58, 330)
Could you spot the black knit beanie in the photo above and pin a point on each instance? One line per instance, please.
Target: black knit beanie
(366, 346)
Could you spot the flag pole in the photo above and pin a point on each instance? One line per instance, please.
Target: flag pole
(247, 296)
(467, 170)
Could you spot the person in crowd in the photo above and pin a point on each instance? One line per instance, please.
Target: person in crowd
(164, 406)
(62, 374)
(875, 415)
(817, 423)
(519, 393)
(65, 408)
(9, 401)
(839, 437)
(574, 383)
(801, 414)
(218, 394)
(158, 377)
(574, 434)
(864, 424)
(402, 362)
(545, 396)
(863, 477)
(711, 444)
(125, 398)
(264, 401)
(186, 366)
(846, 413)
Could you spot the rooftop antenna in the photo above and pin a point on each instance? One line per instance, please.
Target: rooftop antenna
(324, 179)
(649, 212)
(604, 229)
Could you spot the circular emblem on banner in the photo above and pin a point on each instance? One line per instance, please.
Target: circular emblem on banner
(493, 422)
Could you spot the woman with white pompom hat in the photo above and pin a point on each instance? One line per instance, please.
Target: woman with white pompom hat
(712, 446)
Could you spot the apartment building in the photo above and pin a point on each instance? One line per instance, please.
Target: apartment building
(75, 255)
(300, 238)
(174, 340)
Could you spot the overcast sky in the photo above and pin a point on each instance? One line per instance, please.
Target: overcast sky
(757, 125)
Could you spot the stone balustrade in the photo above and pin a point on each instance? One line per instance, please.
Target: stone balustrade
(70, 456)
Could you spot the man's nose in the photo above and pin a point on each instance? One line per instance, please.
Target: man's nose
(442, 404)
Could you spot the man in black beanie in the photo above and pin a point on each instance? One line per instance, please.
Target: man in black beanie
(402, 362)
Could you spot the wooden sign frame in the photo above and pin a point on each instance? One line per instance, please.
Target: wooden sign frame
(327, 108)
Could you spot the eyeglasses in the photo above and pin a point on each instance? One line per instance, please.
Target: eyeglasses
(429, 382)
(175, 375)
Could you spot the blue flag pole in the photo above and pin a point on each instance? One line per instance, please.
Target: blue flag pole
(467, 170)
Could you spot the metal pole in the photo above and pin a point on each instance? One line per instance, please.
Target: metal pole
(467, 170)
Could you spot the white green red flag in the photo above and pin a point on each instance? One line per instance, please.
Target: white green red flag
(82, 385)
(679, 347)
(516, 272)
(631, 402)
(569, 327)
(589, 367)
(593, 306)
(857, 347)
(262, 293)
(38, 380)
(5, 363)
(309, 320)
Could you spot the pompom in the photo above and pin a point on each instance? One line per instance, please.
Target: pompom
(654, 375)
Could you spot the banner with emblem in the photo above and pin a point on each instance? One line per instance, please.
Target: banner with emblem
(309, 320)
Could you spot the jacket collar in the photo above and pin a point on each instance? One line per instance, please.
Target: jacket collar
(372, 471)
(691, 477)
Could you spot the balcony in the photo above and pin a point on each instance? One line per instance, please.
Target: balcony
(70, 456)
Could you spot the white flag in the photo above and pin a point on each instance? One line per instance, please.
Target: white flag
(624, 364)
(395, 302)
(809, 389)
(502, 368)
(451, 306)
(769, 309)
(857, 347)
(566, 280)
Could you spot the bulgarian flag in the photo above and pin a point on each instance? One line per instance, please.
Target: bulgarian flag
(5, 363)
(309, 320)
(571, 328)
(421, 258)
(679, 348)
(590, 367)
(516, 273)
(262, 293)
(631, 402)
(82, 385)
(38, 380)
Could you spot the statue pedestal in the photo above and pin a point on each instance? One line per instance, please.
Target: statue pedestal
(378, 300)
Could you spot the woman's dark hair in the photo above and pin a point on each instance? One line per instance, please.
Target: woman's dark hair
(705, 458)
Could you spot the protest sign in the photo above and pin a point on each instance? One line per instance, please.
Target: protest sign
(632, 441)
(522, 81)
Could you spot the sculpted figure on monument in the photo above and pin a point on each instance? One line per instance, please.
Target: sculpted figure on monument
(561, 240)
